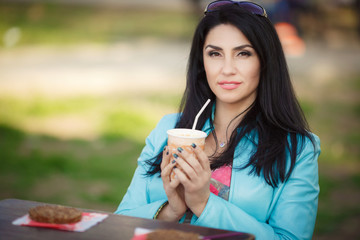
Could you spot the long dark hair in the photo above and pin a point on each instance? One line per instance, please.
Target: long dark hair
(275, 116)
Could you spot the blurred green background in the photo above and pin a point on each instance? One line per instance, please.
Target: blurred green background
(82, 85)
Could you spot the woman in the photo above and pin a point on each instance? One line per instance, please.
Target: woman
(258, 172)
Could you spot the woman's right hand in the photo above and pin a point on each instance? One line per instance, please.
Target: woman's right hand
(173, 189)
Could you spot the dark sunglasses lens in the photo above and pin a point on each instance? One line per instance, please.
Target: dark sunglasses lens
(214, 5)
(252, 8)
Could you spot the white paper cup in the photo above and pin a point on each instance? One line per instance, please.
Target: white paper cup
(184, 138)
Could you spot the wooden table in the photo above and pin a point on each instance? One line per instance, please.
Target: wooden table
(113, 227)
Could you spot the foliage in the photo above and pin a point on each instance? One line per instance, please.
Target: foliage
(51, 23)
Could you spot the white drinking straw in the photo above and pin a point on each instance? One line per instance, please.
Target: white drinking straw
(199, 113)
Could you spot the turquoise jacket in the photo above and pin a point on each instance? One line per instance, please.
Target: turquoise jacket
(285, 212)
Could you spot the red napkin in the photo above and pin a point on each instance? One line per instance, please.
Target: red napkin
(88, 220)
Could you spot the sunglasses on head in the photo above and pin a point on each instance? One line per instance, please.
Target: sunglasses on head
(249, 6)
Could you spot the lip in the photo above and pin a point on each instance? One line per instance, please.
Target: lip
(229, 85)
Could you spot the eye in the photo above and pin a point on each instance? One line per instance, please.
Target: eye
(244, 53)
(213, 54)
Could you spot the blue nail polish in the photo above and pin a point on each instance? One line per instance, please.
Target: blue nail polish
(193, 145)
(173, 161)
(180, 149)
(167, 153)
(164, 148)
(175, 155)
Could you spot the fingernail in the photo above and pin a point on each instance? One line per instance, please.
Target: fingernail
(173, 161)
(193, 145)
(164, 148)
(180, 149)
(175, 155)
(167, 153)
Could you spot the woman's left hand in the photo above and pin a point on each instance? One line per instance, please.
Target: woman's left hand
(194, 174)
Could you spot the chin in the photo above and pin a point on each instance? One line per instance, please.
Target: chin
(236, 100)
(229, 101)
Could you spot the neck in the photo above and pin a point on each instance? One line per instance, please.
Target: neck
(229, 113)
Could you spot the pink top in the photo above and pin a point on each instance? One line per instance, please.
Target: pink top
(220, 182)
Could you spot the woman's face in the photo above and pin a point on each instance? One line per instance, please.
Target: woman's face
(232, 66)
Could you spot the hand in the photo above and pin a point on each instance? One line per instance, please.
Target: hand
(195, 176)
(173, 189)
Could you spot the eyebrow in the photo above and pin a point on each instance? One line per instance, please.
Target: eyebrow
(235, 48)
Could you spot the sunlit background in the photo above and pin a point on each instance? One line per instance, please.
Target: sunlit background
(83, 82)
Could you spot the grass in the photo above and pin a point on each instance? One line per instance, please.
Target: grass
(35, 163)
(338, 203)
(334, 117)
(95, 173)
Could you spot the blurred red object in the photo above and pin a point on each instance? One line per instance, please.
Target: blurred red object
(292, 44)
(139, 237)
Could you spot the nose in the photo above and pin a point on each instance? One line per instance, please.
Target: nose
(229, 67)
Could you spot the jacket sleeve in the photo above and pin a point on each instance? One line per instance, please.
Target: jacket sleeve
(294, 213)
(136, 202)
